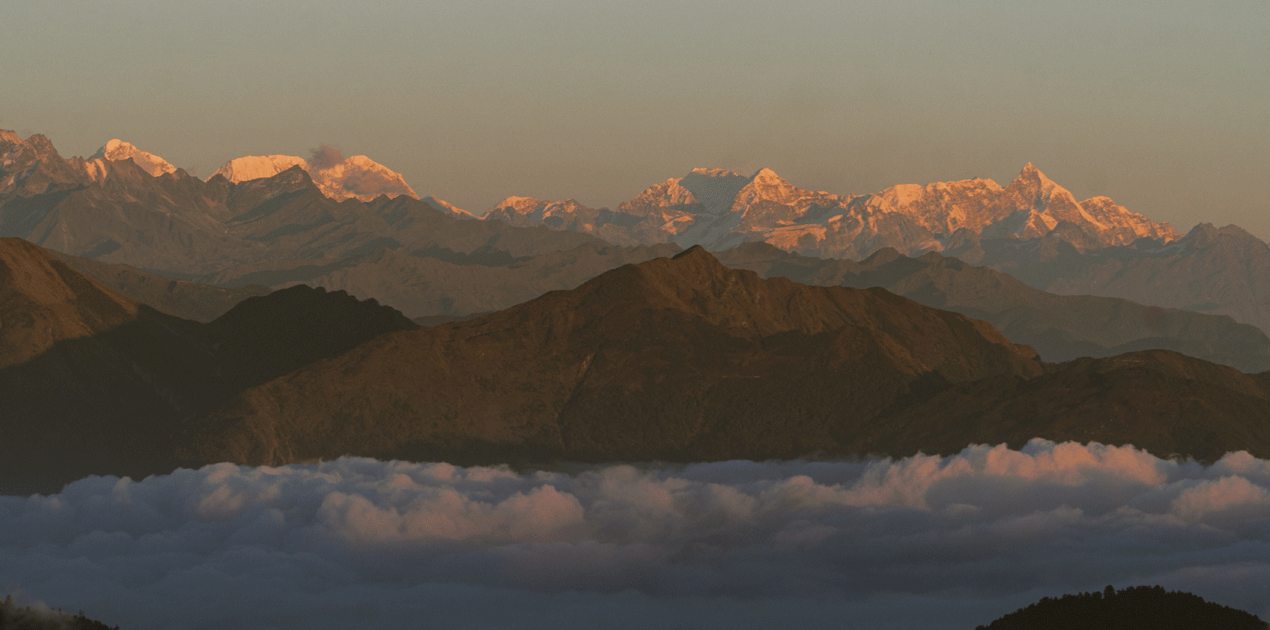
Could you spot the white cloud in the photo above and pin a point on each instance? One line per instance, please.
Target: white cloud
(937, 542)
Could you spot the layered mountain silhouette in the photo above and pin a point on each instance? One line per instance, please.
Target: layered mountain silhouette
(685, 359)
(673, 359)
(94, 382)
(272, 224)
(1059, 327)
(180, 298)
(1210, 270)
(594, 349)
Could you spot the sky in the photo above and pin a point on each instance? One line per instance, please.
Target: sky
(919, 542)
(1160, 105)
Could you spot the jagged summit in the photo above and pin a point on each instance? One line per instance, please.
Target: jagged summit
(357, 177)
(117, 150)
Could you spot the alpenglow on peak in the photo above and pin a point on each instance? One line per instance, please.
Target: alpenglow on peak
(357, 177)
(117, 150)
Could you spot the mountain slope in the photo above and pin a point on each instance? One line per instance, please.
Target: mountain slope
(179, 298)
(672, 358)
(92, 382)
(1221, 271)
(683, 359)
(1059, 327)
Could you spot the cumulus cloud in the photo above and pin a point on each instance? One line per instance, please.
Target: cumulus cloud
(325, 156)
(921, 541)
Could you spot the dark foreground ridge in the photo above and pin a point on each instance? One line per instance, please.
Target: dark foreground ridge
(92, 382)
(14, 617)
(1145, 607)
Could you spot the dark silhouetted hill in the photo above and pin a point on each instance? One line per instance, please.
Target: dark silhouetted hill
(13, 617)
(677, 358)
(685, 359)
(1133, 608)
(92, 382)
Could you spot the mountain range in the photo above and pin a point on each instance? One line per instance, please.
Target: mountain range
(273, 227)
(673, 359)
(149, 319)
(721, 209)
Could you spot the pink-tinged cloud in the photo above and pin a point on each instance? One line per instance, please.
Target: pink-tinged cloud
(915, 542)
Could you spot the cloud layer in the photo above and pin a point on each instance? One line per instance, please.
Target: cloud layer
(924, 541)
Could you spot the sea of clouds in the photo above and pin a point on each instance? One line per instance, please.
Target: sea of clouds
(918, 542)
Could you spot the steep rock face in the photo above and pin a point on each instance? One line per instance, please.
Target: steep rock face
(1059, 327)
(669, 358)
(721, 209)
(32, 167)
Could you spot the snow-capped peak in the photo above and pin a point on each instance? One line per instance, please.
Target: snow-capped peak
(356, 177)
(448, 208)
(117, 150)
(360, 177)
(767, 185)
(251, 167)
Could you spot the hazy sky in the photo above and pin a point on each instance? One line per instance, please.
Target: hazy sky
(1163, 106)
